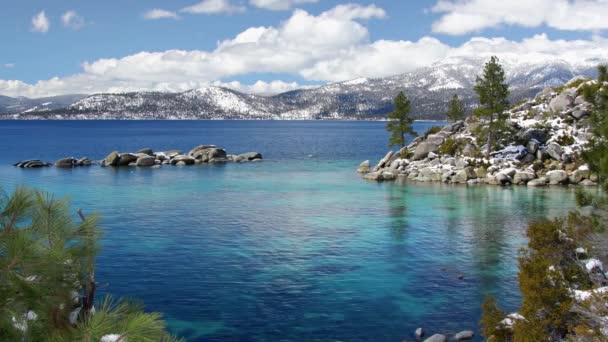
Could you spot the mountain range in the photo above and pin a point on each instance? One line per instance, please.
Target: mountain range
(429, 89)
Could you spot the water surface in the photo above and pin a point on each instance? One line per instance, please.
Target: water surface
(295, 248)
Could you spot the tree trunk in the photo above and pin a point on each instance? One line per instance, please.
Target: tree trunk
(490, 136)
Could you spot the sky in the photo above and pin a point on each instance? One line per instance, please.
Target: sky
(270, 46)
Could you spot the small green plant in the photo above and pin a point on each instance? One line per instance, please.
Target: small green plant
(432, 130)
(452, 145)
(565, 140)
(406, 154)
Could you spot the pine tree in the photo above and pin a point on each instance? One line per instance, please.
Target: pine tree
(456, 111)
(400, 124)
(47, 279)
(596, 154)
(493, 94)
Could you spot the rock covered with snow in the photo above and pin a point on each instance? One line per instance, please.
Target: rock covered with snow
(544, 149)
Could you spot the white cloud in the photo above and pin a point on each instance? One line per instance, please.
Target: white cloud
(73, 20)
(332, 46)
(354, 11)
(157, 13)
(279, 5)
(9, 65)
(213, 7)
(40, 23)
(465, 16)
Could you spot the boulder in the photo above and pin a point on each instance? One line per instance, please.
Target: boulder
(579, 114)
(126, 159)
(542, 155)
(112, 159)
(533, 133)
(436, 338)
(435, 139)
(376, 176)
(509, 172)
(555, 151)
(364, 167)
(32, 163)
(172, 153)
(249, 156)
(388, 176)
(84, 161)
(469, 149)
(537, 182)
(206, 154)
(464, 175)
(579, 175)
(579, 100)
(557, 177)
(523, 177)
(382, 163)
(182, 160)
(464, 335)
(499, 179)
(147, 151)
(419, 333)
(481, 172)
(145, 161)
(66, 162)
(423, 149)
(561, 102)
(532, 146)
(588, 182)
(199, 148)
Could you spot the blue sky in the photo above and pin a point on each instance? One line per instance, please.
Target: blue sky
(280, 44)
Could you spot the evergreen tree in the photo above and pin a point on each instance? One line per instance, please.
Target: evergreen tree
(596, 154)
(456, 111)
(400, 124)
(47, 280)
(493, 94)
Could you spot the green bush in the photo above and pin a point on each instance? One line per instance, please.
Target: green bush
(565, 140)
(451, 146)
(432, 130)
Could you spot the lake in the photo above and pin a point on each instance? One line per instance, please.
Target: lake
(294, 248)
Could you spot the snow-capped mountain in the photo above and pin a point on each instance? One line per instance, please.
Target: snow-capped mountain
(429, 88)
(9, 105)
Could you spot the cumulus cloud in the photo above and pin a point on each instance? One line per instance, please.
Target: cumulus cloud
(41, 23)
(329, 47)
(279, 5)
(73, 20)
(213, 7)
(158, 13)
(464, 16)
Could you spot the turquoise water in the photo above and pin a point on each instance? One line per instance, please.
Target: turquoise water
(294, 248)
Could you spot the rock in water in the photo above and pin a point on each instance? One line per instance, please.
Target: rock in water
(423, 150)
(147, 151)
(250, 156)
(66, 162)
(182, 160)
(419, 333)
(364, 167)
(32, 163)
(112, 159)
(145, 161)
(436, 338)
(464, 335)
(557, 177)
(126, 159)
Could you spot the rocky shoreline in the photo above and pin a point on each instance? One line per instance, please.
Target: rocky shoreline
(548, 134)
(148, 158)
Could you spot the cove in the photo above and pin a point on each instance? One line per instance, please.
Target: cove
(297, 247)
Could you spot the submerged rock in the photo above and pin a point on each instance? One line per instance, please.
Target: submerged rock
(436, 338)
(464, 335)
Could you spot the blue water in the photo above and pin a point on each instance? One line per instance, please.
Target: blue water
(295, 248)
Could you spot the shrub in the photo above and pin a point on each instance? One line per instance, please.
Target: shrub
(565, 140)
(451, 146)
(432, 130)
